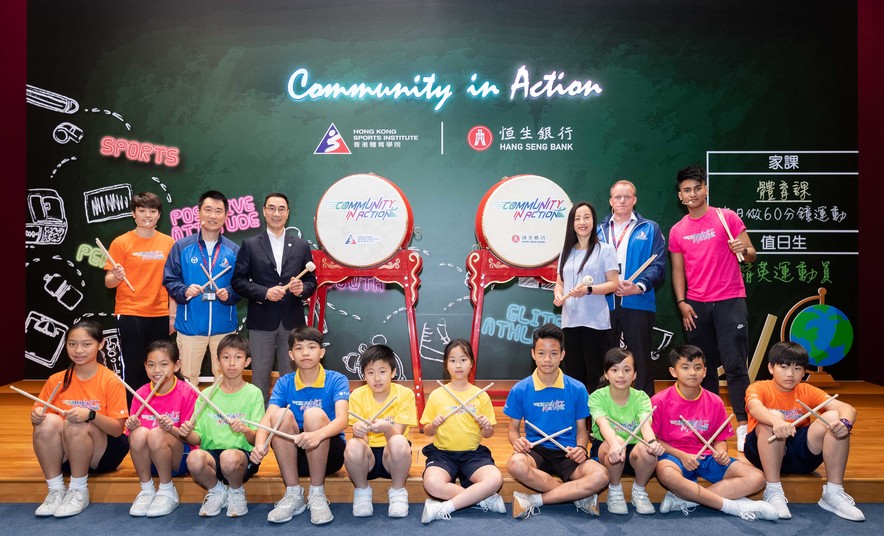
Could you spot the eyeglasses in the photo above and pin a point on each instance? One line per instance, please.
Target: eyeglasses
(622, 197)
(275, 209)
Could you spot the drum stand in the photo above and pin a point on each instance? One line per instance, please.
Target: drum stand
(485, 268)
(402, 269)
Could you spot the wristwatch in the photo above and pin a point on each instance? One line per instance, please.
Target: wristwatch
(91, 416)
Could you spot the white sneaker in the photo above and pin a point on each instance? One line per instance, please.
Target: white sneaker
(642, 502)
(778, 500)
(751, 510)
(398, 503)
(842, 505)
(523, 506)
(142, 502)
(164, 503)
(50, 503)
(616, 502)
(671, 502)
(433, 511)
(213, 503)
(320, 513)
(237, 506)
(590, 505)
(290, 505)
(362, 506)
(492, 503)
(74, 502)
(742, 430)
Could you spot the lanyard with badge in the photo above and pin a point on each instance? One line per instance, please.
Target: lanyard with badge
(209, 296)
(618, 241)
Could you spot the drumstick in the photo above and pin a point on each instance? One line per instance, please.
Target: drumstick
(376, 415)
(276, 426)
(138, 398)
(454, 396)
(261, 426)
(153, 391)
(212, 279)
(633, 434)
(728, 231)
(811, 410)
(383, 409)
(211, 404)
(202, 406)
(547, 437)
(112, 261)
(35, 399)
(773, 438)
(359, 417)
(309, 267)
(642, 268)
(712, 438)
(467, 401)
(585, 282)
(550, 437)
(53, 393)
(208, 275)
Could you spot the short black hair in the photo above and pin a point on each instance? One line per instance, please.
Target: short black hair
(235, 341)
(695, 173)
(276, 194)
(213, 194)
(548, 331)
(377, 352)
(788, 353)
(146, 200)
(687, 351)
(305, 333)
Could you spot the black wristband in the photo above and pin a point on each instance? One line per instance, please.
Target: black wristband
(91, 416)
(679, 301)
(584, 449)
(652, 441)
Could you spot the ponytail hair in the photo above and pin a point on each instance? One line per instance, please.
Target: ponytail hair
(94, 330)
(171, 350)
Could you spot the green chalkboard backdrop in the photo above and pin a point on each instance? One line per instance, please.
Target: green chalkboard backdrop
(240, 97)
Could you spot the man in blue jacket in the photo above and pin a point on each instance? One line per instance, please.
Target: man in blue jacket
(633, 306)
(206, 310)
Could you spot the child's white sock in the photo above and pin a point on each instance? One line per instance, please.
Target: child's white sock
(167, 486)
(730, 506)
(297, 491)
(830, 488)
(218, 487)
(147, 486)
(56, 483)
(447, 507)
(636, 487)
(317, 490)
(536, 499)
(774, 486)
(79, 482)
(618, 487)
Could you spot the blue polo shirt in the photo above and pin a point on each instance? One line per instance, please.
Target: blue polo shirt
(550, 408)
(329, 387)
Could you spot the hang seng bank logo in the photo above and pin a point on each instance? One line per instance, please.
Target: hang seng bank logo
(480, 138)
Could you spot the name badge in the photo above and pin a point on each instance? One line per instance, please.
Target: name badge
(209, 296)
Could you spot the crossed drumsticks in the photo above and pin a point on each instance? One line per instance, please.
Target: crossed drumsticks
(376, 415)
(633, 434)
(810, 411)
(462, 403)
(707, 444)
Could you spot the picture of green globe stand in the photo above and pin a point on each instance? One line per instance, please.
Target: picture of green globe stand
(824, 331)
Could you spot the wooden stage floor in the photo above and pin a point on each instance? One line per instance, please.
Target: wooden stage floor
(22, 481)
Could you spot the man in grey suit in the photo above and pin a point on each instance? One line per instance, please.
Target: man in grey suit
(265, 265)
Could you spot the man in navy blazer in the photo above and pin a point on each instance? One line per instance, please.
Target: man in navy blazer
(266, 263)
